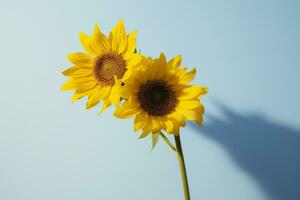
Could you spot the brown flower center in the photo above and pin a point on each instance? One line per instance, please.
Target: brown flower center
(157, 98)
(109, 65)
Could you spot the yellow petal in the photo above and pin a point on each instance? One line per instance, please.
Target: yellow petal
(176, 75)
(192, 92)
(140, 121)
(146, 62)
(105, 105)
(115, 99)
(199, 111)
(126, 110)
(115, 92)
(133, 60)
(199, 120)
(87, 86)
(175, 62)
(100, 39)
(189, 114)
(155, 124)
(178, 117)
(188, 77)
(127, 75)
(70, 70)
(123, 46)
(83, 80)
(118, 37)
(169, 126)
(176, 129)
(172, 126)
(78, 72)
(162, 59)
(188, 104)
(95, 97)
(124, 113)
(77, 96)
(158, 69)
(85, 91)
(125, 93)
(88, 45)
(81, 59)
(131, 43)
(68, 85)
(147, 129)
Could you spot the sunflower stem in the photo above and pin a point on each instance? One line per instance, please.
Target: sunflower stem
(182, 168)
(168, 142)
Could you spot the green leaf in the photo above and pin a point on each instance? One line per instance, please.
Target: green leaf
(155, 138)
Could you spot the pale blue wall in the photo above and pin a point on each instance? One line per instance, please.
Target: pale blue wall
(246, 52)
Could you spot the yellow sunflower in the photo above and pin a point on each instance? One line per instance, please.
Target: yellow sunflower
(160, 97)
(100, 71)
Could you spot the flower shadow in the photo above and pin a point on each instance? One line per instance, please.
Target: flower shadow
(268, 151)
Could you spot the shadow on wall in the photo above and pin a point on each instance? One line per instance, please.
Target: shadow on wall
(268, 151)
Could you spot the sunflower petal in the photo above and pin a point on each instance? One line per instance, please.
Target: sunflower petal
(162, 59)
(188, 114)
(147, 129)
(118, 37)
(133, 60)
(115, 92)
(200, 110)
(192, 92)
(126, 110)
(157, 124)
(87, 90)
(81, 59)
(105, 105)
(71, 70)
(87, 44)
(100, 39)
(97, 95)
(178, 117)
(169, 126)
(188, 104)
(140, 121)
(188, 77)
(68, 85)
(175, 62)
(82, 72)
(176, 127)
(131, 43)
(77, 96)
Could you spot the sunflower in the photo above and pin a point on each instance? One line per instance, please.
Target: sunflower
(99, 72)
(160, 98)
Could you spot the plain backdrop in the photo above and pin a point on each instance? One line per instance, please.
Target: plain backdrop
(246, 52)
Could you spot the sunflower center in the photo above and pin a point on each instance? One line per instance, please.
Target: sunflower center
(157, 98)
(109, 65)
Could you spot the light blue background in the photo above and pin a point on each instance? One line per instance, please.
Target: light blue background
(246, 52)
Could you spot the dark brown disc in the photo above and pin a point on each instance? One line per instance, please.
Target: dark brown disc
(157, 98)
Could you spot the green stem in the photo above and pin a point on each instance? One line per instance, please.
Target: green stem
(182, 168)
(168, 142)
